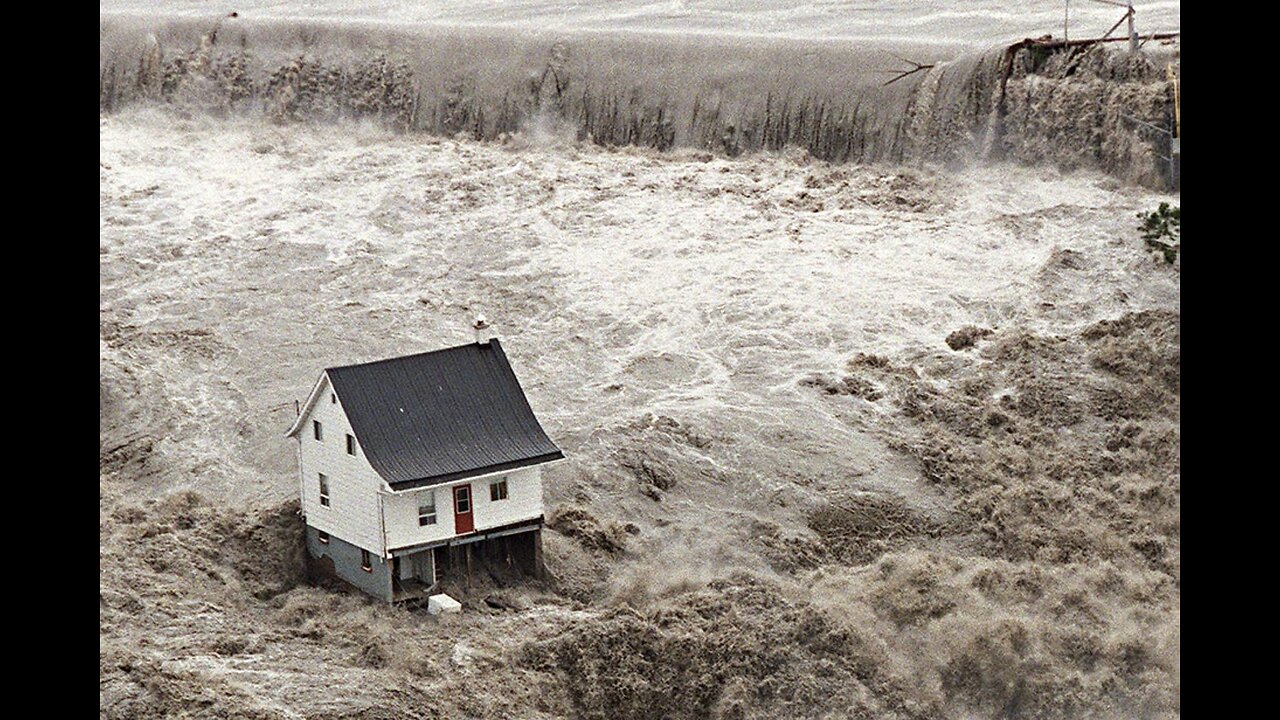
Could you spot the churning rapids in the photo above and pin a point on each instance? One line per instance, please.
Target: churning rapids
(1077, 108)
(870, 394)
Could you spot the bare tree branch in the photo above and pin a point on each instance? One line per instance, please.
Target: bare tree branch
(917, 67)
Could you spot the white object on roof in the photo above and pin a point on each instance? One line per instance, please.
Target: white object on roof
(442, 603)
(483, 332)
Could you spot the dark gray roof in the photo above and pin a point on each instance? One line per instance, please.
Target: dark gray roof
(438, 416)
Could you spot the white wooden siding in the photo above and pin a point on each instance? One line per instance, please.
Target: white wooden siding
(524, 502)
(353, 511)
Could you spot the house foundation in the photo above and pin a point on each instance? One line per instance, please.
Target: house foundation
(331, 558)
(413, 576)
(504, 558)
(504, 555)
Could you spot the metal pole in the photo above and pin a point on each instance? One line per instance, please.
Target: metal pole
(1066, 18)
(1133, 34)
(1175, 138)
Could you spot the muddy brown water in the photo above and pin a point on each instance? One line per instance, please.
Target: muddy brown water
(845, 439)
(660, 348)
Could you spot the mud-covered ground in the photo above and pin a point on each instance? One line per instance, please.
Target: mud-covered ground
(843, 441)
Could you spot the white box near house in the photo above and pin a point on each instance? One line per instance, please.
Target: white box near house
(437, 604)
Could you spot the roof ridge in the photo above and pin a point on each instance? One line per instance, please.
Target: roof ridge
(438, 351)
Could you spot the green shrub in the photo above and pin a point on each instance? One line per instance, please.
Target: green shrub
(1162, 230)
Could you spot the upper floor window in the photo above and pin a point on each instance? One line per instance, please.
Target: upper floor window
(498, 490)
(351, 444)
(366, 562)
(317, 430)
(324, 489)
(333, 397)
(427, 510)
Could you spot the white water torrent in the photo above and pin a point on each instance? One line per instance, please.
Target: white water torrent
(729, 94)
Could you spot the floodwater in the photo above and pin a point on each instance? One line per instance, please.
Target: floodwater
(786, 493)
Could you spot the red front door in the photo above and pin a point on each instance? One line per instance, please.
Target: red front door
(463, 520)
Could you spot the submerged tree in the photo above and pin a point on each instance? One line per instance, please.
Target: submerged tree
(1162, 230)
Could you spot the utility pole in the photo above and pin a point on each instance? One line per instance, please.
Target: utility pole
(1128, 16)
(1175, 138)
(1133, 34)
(1066, 20)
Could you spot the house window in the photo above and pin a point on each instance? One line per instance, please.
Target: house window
(333, 397)
(317, 430)
(323, 537)
(351, 444)
(427, 510)
(366, 563)
(462, 500)
(498, 490)
(324, 490)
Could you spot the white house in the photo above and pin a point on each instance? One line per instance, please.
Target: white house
(409, 466)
